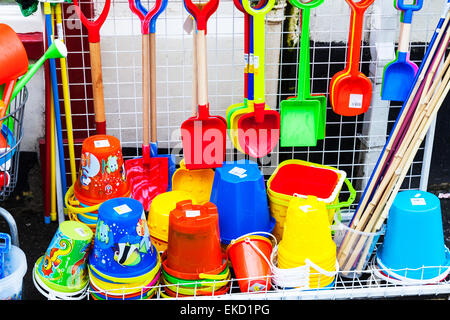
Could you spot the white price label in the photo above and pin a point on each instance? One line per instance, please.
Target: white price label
(81, 232)
(418, 202)
(192, 213)
(239, 172)
(355, 101)
(101, 143)
(122, 209)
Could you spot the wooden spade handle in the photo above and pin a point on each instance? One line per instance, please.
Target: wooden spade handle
(153, 87)
(145, 92)
(97, 87)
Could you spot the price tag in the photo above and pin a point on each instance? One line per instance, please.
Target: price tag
(81, 232)
(188, 25)
(418, 202)
(256, 64)
(122, 209)
(192, 213)
(101, 143)
(355, 101)
(239, 172)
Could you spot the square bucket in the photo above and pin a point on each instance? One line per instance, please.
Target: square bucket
(301, 178)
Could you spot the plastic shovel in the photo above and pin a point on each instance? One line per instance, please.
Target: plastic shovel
(399, 74)
(235, 112)
(351, 90)
(148, 176)
(154, 132)
(198, 130)
(96, 63)
(303, 117)
(259, 130)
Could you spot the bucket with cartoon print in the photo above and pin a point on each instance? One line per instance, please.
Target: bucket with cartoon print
(63, 267)
(122, 247)
(102, 173)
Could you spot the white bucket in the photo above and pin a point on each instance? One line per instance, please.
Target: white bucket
(15, 266)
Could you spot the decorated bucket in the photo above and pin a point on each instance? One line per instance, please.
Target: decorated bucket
(239, 192)
(158, 217)
(122, 247)
(102, 173)
(63, 266)
(298, 178)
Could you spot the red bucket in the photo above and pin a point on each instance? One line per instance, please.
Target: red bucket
(250, 267)
(102, 172)
(305, 180)
(194, 239)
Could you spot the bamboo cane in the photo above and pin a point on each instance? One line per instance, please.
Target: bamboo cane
(360, 219)
(398, 126)
(395, 183)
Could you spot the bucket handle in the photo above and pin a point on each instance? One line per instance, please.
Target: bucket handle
(302, 271)
(350, 199)
(12, 226)
(69, 203)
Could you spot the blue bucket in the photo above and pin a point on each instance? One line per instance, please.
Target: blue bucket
(414, 246)
(122, 246)
(239, 192)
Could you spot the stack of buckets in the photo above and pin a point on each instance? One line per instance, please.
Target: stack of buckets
(61, 273)
(298, 178)
(193, 264)
(123, 263)
(307, 238)
(101, 177)
(158, 216)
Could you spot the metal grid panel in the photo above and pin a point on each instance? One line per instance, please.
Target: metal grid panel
(352, 144)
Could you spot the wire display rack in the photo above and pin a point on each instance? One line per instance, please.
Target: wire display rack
(352, 144)
(370, 283)
(12, 132)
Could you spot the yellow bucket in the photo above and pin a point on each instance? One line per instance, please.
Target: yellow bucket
(279, 201)
(158, 215)
(198, 183)
(307, 230)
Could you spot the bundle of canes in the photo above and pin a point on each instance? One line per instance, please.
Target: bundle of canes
(425, 99)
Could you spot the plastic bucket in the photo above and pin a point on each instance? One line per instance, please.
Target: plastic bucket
(353, 261)
(102, 173)
(15, 267)
(63, 266)
(159, 244)
(247, 258)
(307, 231)
(194, 239)
(160, 208)
(298, 178)
(240, 195)
(122, 246)
(414, 245)
(198, 183)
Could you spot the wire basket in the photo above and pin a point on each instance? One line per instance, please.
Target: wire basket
(12, 133)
